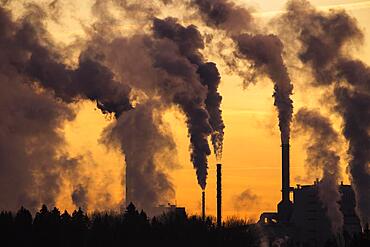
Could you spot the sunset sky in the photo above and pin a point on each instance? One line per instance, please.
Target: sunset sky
(251, 157)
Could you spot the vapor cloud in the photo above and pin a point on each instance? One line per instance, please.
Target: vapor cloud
(325, 38)
(322, 155)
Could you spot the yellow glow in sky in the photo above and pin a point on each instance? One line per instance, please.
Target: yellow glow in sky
(251, 158)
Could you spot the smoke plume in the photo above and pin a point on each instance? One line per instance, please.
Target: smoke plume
(225, 15)
(170, 56)
(32, 77)
(79, 197)
(265, 52)
(325, 38)
(322, 155)
(148, 151)
(189, 42)
(32, 156)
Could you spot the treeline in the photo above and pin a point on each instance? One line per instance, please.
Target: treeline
(131, 228)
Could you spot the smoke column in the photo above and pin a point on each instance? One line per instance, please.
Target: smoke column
(30, 166)
(189, 41)
(170, 76)
(324, 38)
(321, 154)
(183, 63)
(32, 63)
(265, 51)
(145, 146)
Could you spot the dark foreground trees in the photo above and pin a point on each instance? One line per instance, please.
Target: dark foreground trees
(132, 228)
(52, 228)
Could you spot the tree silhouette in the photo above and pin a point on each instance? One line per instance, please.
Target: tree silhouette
(134, 228)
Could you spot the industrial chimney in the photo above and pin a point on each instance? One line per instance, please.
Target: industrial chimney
(285, 206)
(203, 205)
(219, 198)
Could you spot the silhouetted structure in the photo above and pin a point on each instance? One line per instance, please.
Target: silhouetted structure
(203, 205)
(309, 223)
(219, 196)
(285, 206)
(130, 228)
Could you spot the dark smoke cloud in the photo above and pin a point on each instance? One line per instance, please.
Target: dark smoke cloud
(35, 57)
(325, 39)
(31, 140)
(79, 197)
(171, 75)
(189, 42)
(265, 52)
(322, 155)
(148, 151)
(225, 15)
(32, 75)
(355, 110)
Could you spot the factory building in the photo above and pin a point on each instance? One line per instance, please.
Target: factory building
(304, 220)
(309, 223)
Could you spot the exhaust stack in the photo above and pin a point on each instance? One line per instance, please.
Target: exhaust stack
(203, 205)
(219, 196)
(285, 206)
(285, 172)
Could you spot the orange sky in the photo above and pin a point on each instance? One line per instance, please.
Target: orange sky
(251, 158)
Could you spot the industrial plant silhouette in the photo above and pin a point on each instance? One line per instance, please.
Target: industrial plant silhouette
(301, 222)
(162, 66)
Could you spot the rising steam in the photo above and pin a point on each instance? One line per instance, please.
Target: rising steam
(325, 37)
(322, 155)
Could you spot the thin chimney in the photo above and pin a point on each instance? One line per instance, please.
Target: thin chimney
(203, 205)
(285, 172)
(285, 206)
(219, 196)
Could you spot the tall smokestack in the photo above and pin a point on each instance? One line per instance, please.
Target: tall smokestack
(203, 205)
(219, 196)
(285, 206)
(285, 172)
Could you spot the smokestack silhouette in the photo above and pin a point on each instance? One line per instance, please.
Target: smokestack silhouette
(285, 181)
(325, 39)
(285, 206)
(219, 196)
(203, 205)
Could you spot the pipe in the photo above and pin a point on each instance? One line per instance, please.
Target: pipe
(203, 205)
(219, 196)
(285, 172)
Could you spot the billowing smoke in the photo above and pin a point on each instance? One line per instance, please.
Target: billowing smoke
(31, 141)
(189, 42)
(322, 155)
(172, 70)
(79, 197)
(34, 56)
(325, 38)
(225, 15)
(32, 76)
(148, 150)
(265, 52)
